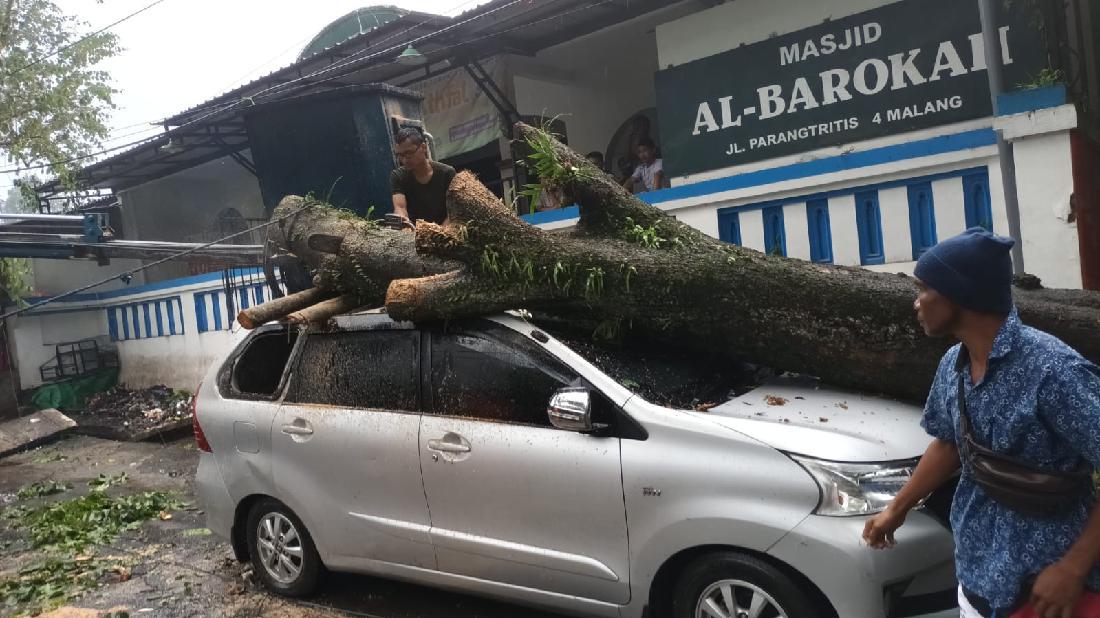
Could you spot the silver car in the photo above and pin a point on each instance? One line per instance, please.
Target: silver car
(489, 457)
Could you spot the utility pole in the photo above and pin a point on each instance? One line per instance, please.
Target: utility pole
(994, 63)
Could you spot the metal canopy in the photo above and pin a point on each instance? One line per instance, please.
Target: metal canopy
(215, 128)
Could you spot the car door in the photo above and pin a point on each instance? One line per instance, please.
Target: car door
(512, 499)
(345, 446)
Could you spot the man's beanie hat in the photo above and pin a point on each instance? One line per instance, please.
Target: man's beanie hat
(973, 270)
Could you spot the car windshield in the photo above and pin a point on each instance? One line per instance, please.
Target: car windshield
(663, 374)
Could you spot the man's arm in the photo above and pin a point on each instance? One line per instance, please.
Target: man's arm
(1070, 401)
(939, 463)
(1059, 586)
(628, 184)
(658, 180)
(400, 206)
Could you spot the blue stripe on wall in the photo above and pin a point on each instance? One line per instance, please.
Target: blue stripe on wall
(172, 317)
(112, 323)
(216, 302)
(159, 307)
(878, 186)
(853, 160)
(148, 322)
(200, 312)
(134, 319)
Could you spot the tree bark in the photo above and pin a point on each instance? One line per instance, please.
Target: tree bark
(277, 308)
(637, 272)
(323, 311)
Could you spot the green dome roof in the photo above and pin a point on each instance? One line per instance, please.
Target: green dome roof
(353, 24)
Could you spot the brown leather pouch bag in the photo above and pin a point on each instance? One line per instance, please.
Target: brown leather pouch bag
(1017, 484)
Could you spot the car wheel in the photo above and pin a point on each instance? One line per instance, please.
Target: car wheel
(732, 585)
(281, 550)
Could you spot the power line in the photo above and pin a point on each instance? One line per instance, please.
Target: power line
(134, 271)
(83, 38)
(31, 168)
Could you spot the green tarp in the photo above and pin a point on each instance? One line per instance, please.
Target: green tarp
(71, 394)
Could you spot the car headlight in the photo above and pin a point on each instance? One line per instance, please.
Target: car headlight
(856, 488)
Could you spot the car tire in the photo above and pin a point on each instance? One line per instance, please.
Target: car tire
(733, 582)
(281, 550)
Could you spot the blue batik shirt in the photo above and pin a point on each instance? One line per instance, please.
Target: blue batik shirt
(1039, 402)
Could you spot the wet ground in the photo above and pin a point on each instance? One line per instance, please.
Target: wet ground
(172, 567)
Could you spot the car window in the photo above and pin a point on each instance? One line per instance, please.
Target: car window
(258, 368)
(662, 373)
(492, 373)
(359, 369)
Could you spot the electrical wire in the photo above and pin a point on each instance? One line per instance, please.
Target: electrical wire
(83, 38)
(133, 271)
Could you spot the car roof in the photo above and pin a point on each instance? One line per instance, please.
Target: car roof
(378, 319)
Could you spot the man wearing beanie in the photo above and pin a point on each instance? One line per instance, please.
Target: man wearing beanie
(1026, 395)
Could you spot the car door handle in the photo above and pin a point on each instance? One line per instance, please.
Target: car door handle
(447, 447)
(297, 430)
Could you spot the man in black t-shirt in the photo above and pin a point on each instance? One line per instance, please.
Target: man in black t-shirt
(420, 185)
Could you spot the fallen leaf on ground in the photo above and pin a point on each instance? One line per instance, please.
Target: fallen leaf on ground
(165, 516)
(773, 400)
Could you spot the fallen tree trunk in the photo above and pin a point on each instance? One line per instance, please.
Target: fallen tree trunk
(637, 272)
(279, 307)
(324, 310)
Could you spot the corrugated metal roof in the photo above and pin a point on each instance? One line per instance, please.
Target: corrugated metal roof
(215, 128)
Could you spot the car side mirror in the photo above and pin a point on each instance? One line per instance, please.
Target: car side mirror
(571, 409)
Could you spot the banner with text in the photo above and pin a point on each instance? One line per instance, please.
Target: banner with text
(457, 113)
(909, 65)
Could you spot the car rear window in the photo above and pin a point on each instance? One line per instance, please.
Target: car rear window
(258, 368)
(359, 369)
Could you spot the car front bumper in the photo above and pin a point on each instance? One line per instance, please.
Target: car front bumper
(914, 578)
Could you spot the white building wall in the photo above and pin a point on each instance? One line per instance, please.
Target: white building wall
(894, 205)
(947, 195)
(179, 360)
(1044, 186)
(184, 207)
(797, 230)
(702, 218)
(35, 337)
(731, 24)
(752, 229)
(53, 277)
(842, 220)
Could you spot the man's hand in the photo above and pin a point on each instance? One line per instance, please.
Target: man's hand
(1057, 591)
(879, 531)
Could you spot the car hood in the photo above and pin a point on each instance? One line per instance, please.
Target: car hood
(798, 415)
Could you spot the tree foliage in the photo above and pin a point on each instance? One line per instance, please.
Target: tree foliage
(54, 102)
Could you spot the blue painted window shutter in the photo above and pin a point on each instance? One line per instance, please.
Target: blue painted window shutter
(869, 226)
(979, 209)
(821, 236)
(112, 324)
(200, 312)
(922, 218)
(729, 227)
(216, 306)
(775, 233)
